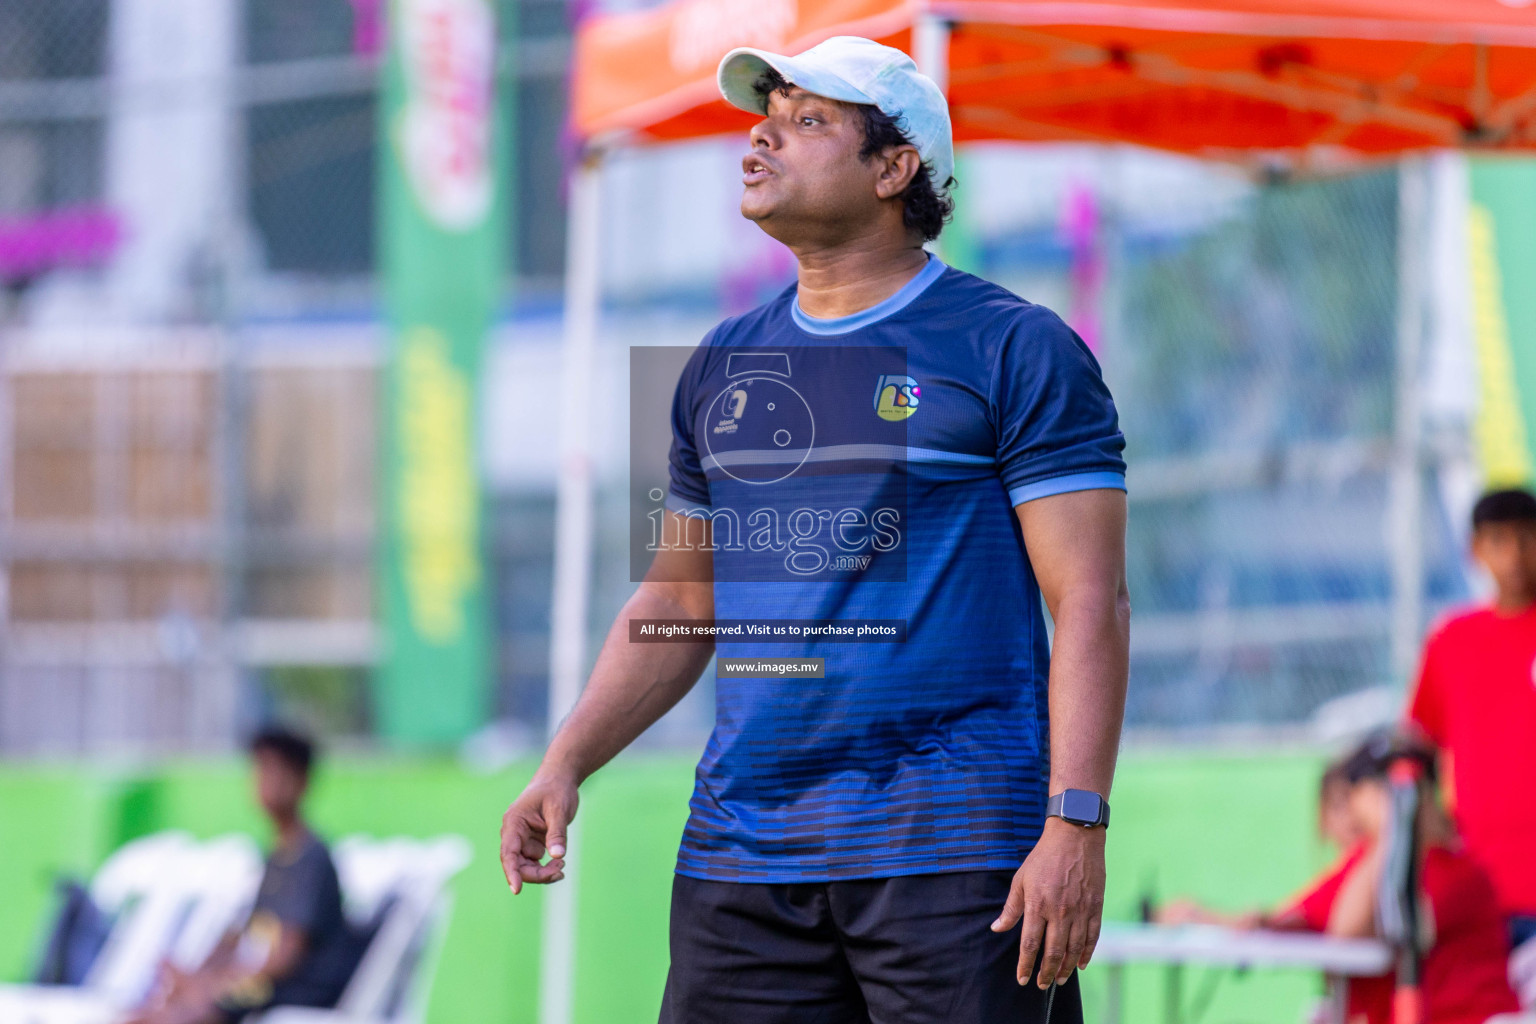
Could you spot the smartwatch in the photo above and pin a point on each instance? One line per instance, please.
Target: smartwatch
(1079, 807)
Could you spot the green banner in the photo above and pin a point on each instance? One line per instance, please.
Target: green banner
(442, 152)
(1501, 236)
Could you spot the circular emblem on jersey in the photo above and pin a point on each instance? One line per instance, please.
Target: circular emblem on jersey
(760, 430)
(896, 397)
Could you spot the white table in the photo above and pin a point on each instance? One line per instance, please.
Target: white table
(1214, 946)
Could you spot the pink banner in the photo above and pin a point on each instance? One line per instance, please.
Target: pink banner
(79, 237)
(1080, 223)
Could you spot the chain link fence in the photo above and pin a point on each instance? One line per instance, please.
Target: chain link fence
(1256, 367)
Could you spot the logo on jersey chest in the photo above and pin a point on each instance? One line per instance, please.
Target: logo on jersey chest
(896, 396)
(735, 403)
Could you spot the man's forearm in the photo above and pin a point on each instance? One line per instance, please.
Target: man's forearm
(1076, 542)
(1089, 666)
(632, 685)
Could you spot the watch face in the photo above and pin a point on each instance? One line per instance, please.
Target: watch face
(1080, 807)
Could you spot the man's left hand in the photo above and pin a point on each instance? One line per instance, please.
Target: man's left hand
(1059, 893)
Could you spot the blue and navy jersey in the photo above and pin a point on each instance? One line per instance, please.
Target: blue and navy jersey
(867, 468)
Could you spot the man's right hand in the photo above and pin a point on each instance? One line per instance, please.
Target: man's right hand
(631, 687)
(536, 824)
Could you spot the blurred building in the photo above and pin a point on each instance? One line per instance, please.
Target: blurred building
(189, 351)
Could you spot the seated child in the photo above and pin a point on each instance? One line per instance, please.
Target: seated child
(1466, 949)
(1335, 823)
(1464, 977)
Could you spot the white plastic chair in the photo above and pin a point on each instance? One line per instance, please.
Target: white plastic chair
(174, 897)
(142, 884)
(1522, 974)
(142, 887)
(221, 876)
(54, 1004)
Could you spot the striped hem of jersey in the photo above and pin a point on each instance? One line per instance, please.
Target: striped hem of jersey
(1101, 480)
(775, 873)
(843, 453)
(879, 311)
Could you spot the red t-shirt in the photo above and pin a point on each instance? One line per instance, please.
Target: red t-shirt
(1464, 976)
(1476, 698)
(1369, 999)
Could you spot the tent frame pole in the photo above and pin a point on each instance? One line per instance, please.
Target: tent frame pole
(930, 48)
(573, 557)
(1405, 489)
(930, 51)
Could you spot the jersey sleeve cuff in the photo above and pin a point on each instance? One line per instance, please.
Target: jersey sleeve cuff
(1101, 480)
(681, 505)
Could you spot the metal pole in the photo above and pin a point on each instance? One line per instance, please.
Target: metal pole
(1397, 897)
(930, 49)
(1173, 994)
(573, 558)
(1405, 496)
(216, 679)
(1337, 999)
(7, 516)
(1114, 993)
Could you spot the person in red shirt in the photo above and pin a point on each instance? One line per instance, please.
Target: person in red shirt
(1308, 909)
(1336, 825)
(1366, 1000)
(1464, 977)
(1464, 971)
(1475, 699)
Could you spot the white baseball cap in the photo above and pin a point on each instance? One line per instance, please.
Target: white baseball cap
(854, 70)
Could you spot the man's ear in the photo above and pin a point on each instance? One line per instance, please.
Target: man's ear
(898, 166)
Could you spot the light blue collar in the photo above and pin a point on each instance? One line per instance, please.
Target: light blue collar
(879, 311)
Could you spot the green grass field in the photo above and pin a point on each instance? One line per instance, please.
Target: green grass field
(1231, 830)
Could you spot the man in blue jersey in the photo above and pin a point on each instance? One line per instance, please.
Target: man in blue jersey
(918, 833)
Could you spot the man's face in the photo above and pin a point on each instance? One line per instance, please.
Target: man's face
(804, 182)
(1508, 552)
(279, 785)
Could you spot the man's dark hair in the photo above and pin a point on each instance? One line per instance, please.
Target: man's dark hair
(291, 747)
(923, 208)
(1373, 758)
(1508, 505)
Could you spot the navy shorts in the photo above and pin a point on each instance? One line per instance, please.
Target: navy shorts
(916, 949)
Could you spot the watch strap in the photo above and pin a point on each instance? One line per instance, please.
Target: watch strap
(1055, 807)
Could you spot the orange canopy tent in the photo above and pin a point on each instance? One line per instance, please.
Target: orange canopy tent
(1205, 77)
(1302, 82)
